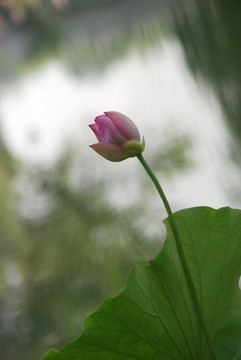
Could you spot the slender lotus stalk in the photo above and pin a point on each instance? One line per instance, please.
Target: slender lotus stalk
(119, 139)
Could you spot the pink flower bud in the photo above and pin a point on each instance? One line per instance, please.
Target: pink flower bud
(118, 137)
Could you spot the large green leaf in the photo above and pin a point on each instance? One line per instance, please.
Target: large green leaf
(153, 318)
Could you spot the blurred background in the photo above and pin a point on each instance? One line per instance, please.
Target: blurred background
(71, 223)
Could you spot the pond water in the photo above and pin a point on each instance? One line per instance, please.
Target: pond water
(73, 223)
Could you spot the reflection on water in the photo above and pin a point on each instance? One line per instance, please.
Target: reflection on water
(72, 224)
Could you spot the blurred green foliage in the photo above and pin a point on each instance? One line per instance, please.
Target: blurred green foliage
(84, 42)
(209, 32)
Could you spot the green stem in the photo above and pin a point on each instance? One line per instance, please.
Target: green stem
(181, 254)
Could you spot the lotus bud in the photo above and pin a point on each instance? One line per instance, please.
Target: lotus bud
(118, 137)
